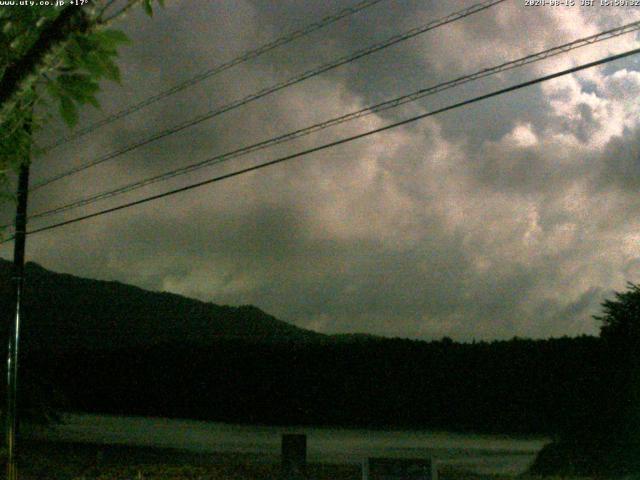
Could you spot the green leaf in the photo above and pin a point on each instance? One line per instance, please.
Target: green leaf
(73, 53)
(147, 7)
(93, 101)
(89, 43)
(111, 38)
(72, 80)
(112, 72)
(53, 89)
(79, 86)
(93, 64)
(69, 111)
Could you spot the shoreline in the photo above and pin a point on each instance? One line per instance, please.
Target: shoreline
(89, 446)
(90, 461)
(334, 445)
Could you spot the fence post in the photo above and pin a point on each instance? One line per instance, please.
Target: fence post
(294, 457)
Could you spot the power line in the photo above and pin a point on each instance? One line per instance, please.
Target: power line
(337, 142)
(279, 86)
(250, 55)
(386, 105)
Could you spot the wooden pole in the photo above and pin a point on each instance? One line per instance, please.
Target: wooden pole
(14, 324)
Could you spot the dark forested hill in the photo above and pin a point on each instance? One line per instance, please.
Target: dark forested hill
(112, 348)
(64, 311)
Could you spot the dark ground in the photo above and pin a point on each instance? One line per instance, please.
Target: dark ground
(74, 461)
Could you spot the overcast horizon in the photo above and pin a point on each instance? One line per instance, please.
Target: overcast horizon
(515, 216)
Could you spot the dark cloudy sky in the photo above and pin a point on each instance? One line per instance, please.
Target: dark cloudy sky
(516, 216)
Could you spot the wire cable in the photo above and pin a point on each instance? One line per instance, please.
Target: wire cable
(386, 105)
(277, 87)
(250, 55)
(335, 143)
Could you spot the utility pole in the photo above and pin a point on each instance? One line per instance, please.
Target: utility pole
(14, 323)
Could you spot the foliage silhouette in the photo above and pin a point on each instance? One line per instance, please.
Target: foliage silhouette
(60, 54)
(621, 317)
(606, 440)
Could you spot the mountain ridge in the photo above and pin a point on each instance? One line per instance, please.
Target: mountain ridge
(75, 312)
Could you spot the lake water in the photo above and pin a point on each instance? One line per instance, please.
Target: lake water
(479, 453)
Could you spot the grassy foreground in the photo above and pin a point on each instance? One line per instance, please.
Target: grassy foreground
(71, 461)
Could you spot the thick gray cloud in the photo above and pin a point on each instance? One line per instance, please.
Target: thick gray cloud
(516, 216)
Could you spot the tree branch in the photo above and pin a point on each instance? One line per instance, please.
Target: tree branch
(104, 9)
(120, 12)
(71, 19)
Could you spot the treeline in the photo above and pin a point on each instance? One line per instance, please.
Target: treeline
(518, 386)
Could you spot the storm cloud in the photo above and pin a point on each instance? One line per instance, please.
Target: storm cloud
(512, 217)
